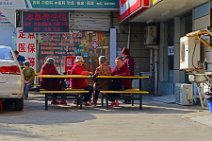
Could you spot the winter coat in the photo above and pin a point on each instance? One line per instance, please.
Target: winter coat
(49, 83)
(130, 63)
(126, 83)
(29, 74)
(102, 84)
(78, 83)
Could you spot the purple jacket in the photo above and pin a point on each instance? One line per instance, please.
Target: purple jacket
(130, 63)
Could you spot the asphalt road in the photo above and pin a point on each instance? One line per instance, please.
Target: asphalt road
(156, 122)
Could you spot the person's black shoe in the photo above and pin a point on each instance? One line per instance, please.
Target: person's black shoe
(127, 101)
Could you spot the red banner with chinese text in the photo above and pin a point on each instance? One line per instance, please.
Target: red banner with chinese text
(26, 45)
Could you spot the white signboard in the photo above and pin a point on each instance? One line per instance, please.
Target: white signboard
(26, 45)
(90, 21)
(3, 19)
(13, 4)
(170, 50)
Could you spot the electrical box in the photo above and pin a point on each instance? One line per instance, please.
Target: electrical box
(150, 35)
(189, 52)
(184, 94)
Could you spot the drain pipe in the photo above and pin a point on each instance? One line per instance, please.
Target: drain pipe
(129, 36)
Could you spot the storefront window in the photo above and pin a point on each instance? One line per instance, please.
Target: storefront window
(88, 44)
(201, 11)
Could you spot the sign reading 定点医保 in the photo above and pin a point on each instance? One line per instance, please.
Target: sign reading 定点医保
(60, 4)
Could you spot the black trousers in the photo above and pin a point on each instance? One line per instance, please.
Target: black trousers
(117, 84)
(87, 96)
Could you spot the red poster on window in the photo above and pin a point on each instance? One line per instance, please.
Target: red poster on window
(69, 61)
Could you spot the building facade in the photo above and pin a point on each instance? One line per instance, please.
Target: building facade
(62, 30)
(164, 23)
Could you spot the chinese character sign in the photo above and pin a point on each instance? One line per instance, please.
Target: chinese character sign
(26, 45)
(45, 21)
(3, 19)
(68, 4)
(12, 4)
(59, 4)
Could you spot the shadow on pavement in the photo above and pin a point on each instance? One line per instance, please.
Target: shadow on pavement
(34, 112)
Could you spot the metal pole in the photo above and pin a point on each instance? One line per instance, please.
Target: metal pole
(156, 71)
(129, 36)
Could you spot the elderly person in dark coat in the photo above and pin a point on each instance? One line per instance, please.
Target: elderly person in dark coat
(119, 84)
(101, 84)
(130, 63)
(48, 68)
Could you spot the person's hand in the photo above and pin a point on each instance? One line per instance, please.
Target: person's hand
(85, 73)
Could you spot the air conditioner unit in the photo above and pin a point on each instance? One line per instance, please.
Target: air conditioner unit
(150, 35)
(184, 94)
(189, 52)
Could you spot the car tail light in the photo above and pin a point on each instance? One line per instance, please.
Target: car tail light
(10, 70)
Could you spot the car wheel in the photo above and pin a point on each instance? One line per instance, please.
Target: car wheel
(19, 104)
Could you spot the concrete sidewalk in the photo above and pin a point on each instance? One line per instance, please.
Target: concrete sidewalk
(202, 116)
(158, 121)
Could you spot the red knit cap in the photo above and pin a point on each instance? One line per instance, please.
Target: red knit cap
(125, 51)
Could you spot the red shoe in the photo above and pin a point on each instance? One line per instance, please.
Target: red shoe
(76, 102)
(111, 105)
(94, 103)
(63, 102)
(116, 104)
(87, 103)
(55, 102)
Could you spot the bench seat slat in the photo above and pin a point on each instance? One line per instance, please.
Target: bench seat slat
(61, 92)
(70, 89)
(36, 85)
(128, 91)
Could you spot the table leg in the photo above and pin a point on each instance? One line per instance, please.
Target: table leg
(81, 96)
(132, 99)
(140, 103)
(107, 101)
(46, 101)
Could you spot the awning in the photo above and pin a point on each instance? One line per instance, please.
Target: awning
(166, 9)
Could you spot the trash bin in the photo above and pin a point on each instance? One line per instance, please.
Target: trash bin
(209, 98)
(146, 84)
(210, 106)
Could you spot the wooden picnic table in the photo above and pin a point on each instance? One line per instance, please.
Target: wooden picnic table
(64, 76)
(130, 91)
(90, 76)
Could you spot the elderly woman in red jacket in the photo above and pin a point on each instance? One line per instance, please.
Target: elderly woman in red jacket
(48, 68)
(119, 84)
(130, 63)
(81, 83)
(128, 60)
